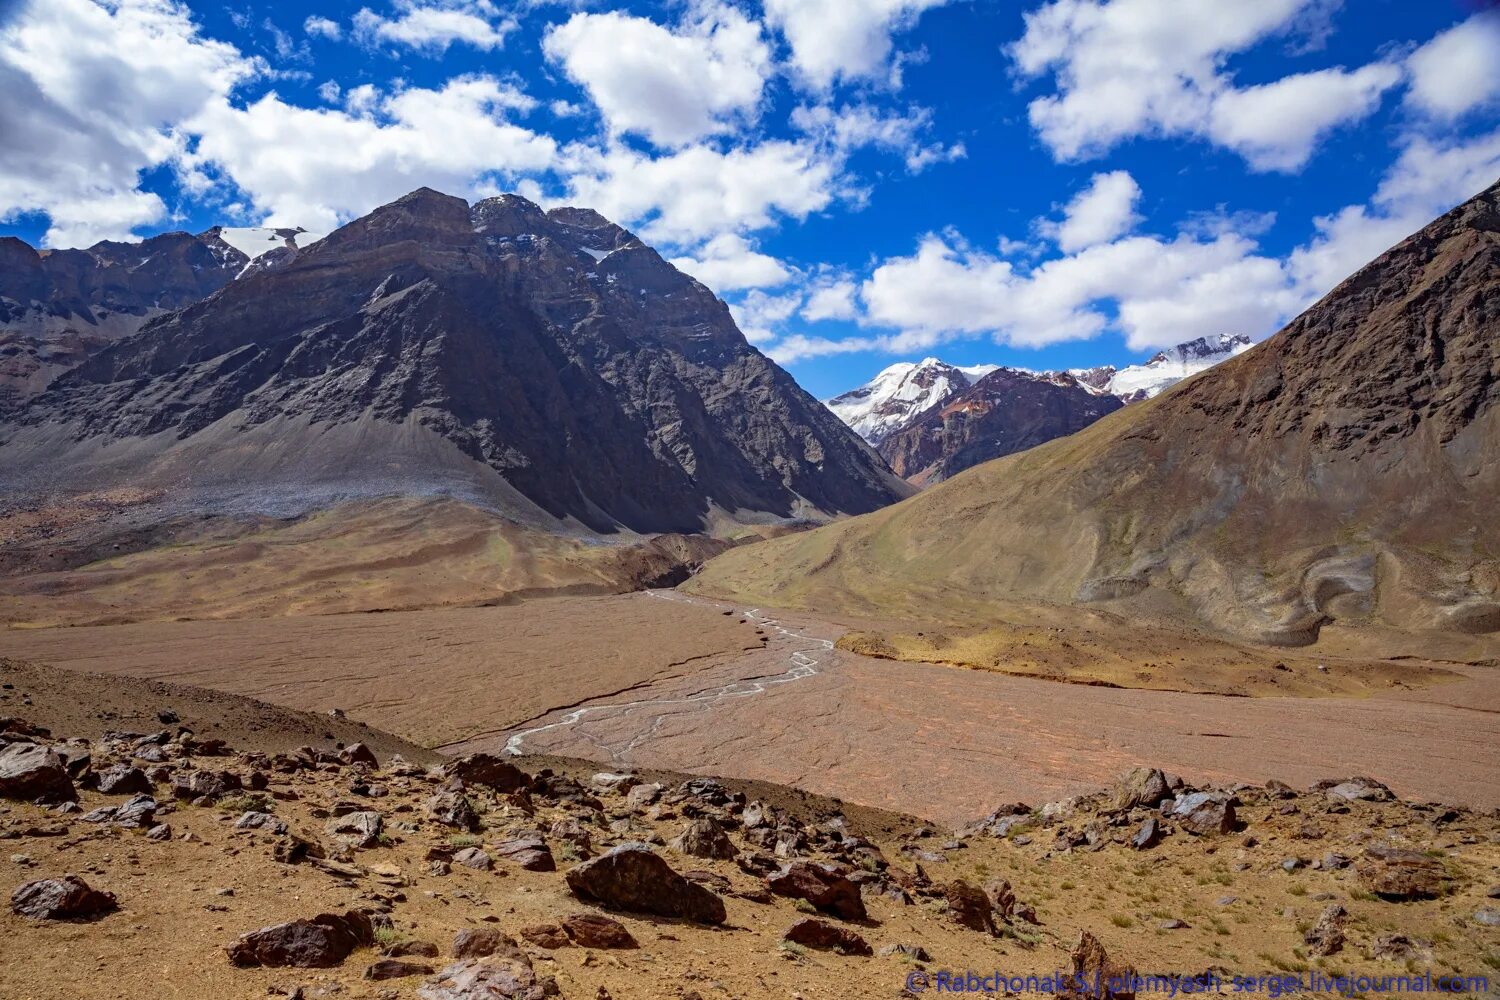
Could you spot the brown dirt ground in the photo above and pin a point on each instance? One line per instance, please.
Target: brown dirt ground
(1245, 915)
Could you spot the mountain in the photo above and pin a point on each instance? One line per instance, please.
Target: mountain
(548, 366)
(1343, 471)
(1136, 382)
(891, 400)
(1006, 411)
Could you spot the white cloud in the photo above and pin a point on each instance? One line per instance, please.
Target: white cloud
(673, 87)
(93, 96)
(1277, 126)
(1458, 70)
(1103, 211)
(322, 27)
(844, 40)
(1155, 68)
(858, 126)
(319, 167)
(831, 298)
(757, 313)
(697, 193)
(433, 25)
(729, 263)
(330, 91)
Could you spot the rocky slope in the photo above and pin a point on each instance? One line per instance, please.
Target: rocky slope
(1004, 412)
(167, 835)
(546, 365)
(1344, 470)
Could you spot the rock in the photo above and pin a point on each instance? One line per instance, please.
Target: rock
(1396, 947)
(480, 942)
(632, 877)
(915, 952)
(1148, 836)
(1399, 874)
(593, 930)
(1204, 813)
(406, 949)
(969, 907)
(356, 829)
(1487, 917)
(1144, 787)
(547, 936)
(1358, 790)
(531, 853)
(496, 978)
(122, 779)
(826, 937)
(391, 968)
(703, 838)
(34, 773)
(473, 857)
(204, 784)
(1092, 965)
(1002, 898)
(319, 943)
(453, 809)
(161, 831)
(488, 770)
(253, 820)
(1172, 925)
(66, 898)
(824, 886)
(1326, 937)
(642, 796)
(358, 753)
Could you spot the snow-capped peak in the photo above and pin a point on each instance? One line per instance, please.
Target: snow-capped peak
(1173, 365)
(253, 241)
(892, 398)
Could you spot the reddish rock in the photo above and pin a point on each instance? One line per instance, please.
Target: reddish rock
(319, 943)
(488, 770)
(531, 853)
(632, 877)
(592, 930)
(827, 937)
(1400, 874)
(66, 898)
(392, 968)
(479, 942)
(547, 936)
(969, 907)
(824, 886)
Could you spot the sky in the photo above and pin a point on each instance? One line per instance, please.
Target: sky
(1040, 184)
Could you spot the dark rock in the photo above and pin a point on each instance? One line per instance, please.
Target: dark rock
(487, 770)
(591, 930)
(253, 820)
(358, 753)
(531, 853)
(827, 937)
(703, 838)
(1148, 836)
(475, 858)
(632, 877)
(969, 907)
(826, 887)
(453, 809)
(204, 784)
(122, 779)
(34, 773)
(1144, 787)
(549, 936)
(319, 943)
(66, 898)
(392, 968)
(1093, 965)
(480, 942)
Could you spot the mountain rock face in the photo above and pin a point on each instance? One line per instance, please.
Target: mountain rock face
(890, 401)
(1004, 412)
(546, 365)
(57, 307)
(1344, 470)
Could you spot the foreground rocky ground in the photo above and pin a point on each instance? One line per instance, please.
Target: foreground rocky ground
(160, 862)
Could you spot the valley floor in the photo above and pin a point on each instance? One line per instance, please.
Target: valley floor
(670, 681)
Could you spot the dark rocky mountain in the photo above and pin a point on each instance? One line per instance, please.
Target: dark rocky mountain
(57, 307)
(1004, 412)
(547, 365)
(1345, 470)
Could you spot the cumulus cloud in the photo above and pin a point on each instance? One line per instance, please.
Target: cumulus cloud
(322, 27)
(670, 86)
(758, 313)
(1155, 68)
(432, 25)
(728, 263)
(831, 297)
(1098, 214)
(1457, 71)
(858, 126)
(844, 40)
(93, 96)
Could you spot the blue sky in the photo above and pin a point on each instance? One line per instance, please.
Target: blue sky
(1044, 184)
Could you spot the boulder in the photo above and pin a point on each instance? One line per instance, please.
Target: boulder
(1204, 813)
(1326, 937)
(824, 936)
(34, 773)
(703, 838)
(319, 943)
(123, 779)
(1399, 874)
(66, 898)
(479, 942)
(547, 936)
(356, 829)
(358, 753)
(394, 968)
(507, 977)
(204, 784)
(453, 809)
(632, 877)
(1105, 978)
(826, 887)
(531, 853)
(1148, 836)
(475, 858)
(253, 820)
(968, 906)
(1144, 787)
(487, 770)
(593, 930)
